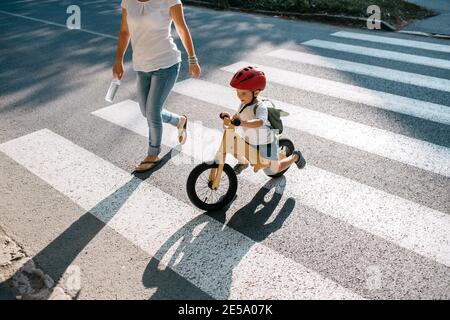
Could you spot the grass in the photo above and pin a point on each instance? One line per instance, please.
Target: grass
(396, 12)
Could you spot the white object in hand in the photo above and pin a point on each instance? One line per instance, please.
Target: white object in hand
(115, 83)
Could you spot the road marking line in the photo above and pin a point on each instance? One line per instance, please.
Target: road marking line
(217, 259)
(363, 69)
(397, 147)
(378, 53)
(394, 41)
(412, 107)
(401, 221)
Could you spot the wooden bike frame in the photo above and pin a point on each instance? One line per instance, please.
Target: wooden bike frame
(233, 144)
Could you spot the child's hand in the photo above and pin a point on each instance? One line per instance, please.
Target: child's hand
(236, 120)
(225, 114)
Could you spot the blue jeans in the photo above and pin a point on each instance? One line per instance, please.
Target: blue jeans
(153, 89)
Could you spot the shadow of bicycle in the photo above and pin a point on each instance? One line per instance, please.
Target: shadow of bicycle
(205, 251)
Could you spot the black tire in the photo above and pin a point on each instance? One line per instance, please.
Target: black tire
(223, 201)
(289, 147)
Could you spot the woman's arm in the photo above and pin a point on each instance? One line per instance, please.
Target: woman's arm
(122, 45)
(177, 15)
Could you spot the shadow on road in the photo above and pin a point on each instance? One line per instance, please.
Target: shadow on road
(207, 249)
(41, 63)
(57, 257)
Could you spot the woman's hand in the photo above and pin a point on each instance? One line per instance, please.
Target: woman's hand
(195, 70)
(118, 70)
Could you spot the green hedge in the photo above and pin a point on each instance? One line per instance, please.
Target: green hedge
(394, 11)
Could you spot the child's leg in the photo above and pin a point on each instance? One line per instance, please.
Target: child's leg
(241, 159)
(242, 164)
(278, 166)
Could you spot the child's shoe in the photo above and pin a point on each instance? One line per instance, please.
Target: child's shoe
(301, 162)
(239, 168)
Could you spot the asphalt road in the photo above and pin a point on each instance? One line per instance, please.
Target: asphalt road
(368, 218)
(436, 25)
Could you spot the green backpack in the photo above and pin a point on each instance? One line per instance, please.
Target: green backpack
(274, 116)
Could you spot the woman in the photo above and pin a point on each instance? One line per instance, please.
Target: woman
(156, 60)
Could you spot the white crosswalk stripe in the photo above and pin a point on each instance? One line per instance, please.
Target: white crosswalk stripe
(409, 225)
(416, 108)
(363, 69)
(149, 217)
(397, 147)
(393, 41)
(378, 53)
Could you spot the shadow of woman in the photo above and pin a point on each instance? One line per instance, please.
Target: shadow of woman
(57, 256)
(197, 261)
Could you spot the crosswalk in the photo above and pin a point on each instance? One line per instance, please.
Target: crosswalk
(223, 262)
(377, 53)
(149, 223)
(393, 41)
(417, 108)
(385, 215)
(397, 147)
(364, 69)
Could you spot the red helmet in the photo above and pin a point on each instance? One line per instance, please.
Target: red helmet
(249, 78)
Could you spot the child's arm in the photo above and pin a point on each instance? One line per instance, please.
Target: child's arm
(254, 123)
(261, 113)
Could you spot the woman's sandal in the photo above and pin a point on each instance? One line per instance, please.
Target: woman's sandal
(182, 133)
(151, 165)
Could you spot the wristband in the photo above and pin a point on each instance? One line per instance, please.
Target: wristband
(193, 60)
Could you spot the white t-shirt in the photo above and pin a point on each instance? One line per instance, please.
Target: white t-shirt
(261, 135)
(150, 25)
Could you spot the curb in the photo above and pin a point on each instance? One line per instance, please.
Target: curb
(426, 34)
(385, 25)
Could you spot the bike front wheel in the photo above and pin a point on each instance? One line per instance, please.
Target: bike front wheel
(200, 191)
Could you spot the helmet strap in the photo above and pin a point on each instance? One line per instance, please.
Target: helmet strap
(251, 102)
(253, 98)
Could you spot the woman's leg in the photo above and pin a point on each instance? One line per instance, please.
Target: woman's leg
(161, 83)
(143, 88)
(176, 121)
(170, 117)
(173, 118)
(167, 116)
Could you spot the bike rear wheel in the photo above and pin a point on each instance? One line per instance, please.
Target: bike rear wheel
(200, 191)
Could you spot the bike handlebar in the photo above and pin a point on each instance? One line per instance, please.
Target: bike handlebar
(236, 122)
(223, 116)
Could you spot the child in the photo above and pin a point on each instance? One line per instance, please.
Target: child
(254, 123)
